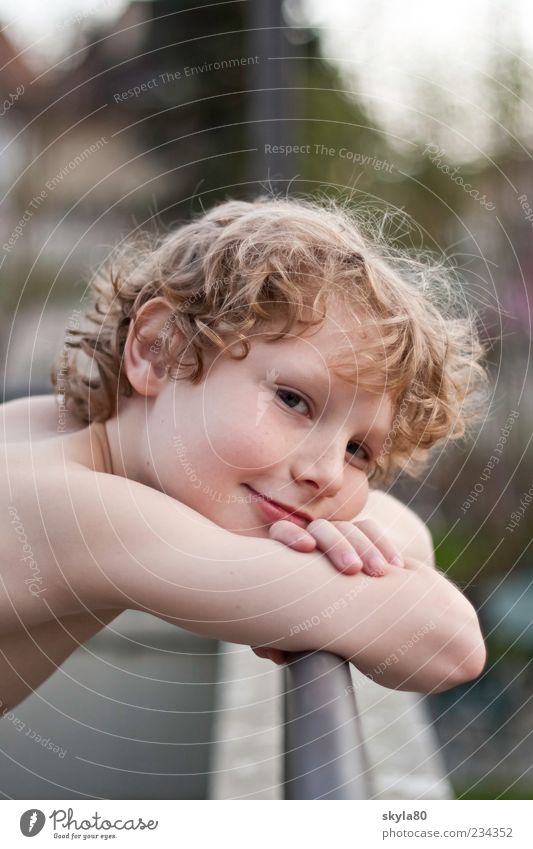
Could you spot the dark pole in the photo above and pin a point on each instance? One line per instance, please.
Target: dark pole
(325, 756)
(271, 100)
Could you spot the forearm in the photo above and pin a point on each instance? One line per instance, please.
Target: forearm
(258, 592)
(432, 640)
(411, 536)
(137, 548)
(424, 637)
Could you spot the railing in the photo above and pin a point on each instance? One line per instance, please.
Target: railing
(324, 755)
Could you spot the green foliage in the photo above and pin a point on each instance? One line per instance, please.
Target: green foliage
(458, 556)
(494, 789)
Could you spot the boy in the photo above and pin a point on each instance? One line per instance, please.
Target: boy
(247, 379)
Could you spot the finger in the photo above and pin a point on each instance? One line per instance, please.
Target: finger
(333, 542)
(380, 539)
(374, 563)
(277, 656)
(292, 535)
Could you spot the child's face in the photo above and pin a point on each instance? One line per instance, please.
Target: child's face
(279, 424)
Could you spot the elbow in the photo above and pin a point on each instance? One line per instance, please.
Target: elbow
(464, 665)
(474, 663)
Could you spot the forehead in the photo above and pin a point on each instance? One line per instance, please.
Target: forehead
(334, 354)
(340, 345)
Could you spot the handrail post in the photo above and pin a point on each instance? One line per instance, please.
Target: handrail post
(324, 755)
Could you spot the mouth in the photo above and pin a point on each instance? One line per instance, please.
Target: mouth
(274, 511)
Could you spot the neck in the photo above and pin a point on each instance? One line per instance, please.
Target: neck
(126, 443)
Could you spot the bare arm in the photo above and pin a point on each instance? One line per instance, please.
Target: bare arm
(27, 658)
(119, 544)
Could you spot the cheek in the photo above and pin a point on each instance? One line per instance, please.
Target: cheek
(351, 500)
(243, 432)
(243, 450)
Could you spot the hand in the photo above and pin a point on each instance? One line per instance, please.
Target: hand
(363, 542)
(352, 547)
(277, 656)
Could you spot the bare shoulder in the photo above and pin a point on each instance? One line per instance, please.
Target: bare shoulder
(405, 528)
(34, 418)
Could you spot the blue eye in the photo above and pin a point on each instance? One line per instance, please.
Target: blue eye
(364, 459)
(359, 446)
(292, 399)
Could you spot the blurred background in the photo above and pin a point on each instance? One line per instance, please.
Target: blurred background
(117, 116)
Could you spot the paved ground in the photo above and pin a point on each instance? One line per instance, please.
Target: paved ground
(130, 715)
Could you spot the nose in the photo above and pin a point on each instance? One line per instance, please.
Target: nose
(322, 470)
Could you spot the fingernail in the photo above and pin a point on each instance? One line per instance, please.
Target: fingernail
(397, 561)
(301, 538)
(351, 559)
(377, 564)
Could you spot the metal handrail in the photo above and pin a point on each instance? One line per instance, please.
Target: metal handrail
(324, 754)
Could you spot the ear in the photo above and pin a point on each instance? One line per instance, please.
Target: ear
(143, 360)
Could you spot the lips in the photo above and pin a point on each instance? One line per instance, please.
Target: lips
(274, 511)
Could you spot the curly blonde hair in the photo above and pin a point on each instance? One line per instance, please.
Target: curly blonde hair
(274, 263)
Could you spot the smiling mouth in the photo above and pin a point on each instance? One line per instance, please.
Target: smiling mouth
(274, 512)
